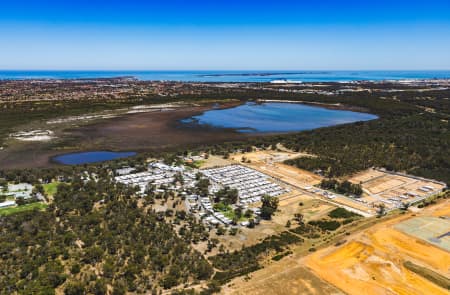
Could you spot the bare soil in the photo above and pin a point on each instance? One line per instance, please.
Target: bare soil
(132, 132)
(373, 260)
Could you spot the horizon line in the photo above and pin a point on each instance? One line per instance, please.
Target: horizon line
(229, 70)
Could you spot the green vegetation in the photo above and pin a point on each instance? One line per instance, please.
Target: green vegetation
(428, 274)
(343, 216)
(222, 207)
(137, 250)
(342, 213)
(278, 257)
(50, 188)
(226, 195)
(345, 187)
(417, 144)
(307, 230)
(202, 186)
(246, 260)
(404, 138)
(269, 206)
(235, 215)
(27, 207)
(330, 225)
(59, 247)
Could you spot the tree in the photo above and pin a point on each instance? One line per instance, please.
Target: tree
(381, 209)
(38, 189)
(74, 288)
(20, 201)
(221, 230)
(75, 269)
(233, 231)
(198, 176)
(269, 207)
(4, 185)
(178, 178)
(238, 213)
(298, 217)
(226, 195)
(203, 186)
(405, 206)
(100, 287)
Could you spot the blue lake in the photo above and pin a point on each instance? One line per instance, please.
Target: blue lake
(276, 117)
(90, 157)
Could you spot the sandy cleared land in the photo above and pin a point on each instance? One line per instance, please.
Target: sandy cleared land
(215, 161)
(267, 162)
(288, 277)
(372, 261)
(311, 209)
(384, 187)
(270, 162)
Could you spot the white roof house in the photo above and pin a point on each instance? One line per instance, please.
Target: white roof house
(7, 204)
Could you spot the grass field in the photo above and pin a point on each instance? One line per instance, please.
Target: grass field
(27, 207)
(50, 188)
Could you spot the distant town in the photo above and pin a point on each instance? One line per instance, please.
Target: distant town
(126, 87)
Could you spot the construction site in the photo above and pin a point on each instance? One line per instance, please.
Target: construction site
(381, 188)
(392, 189)
(380, 259)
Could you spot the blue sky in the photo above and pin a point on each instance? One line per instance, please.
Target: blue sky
(228, 35)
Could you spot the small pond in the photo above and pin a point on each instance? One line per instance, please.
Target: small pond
(90, 157)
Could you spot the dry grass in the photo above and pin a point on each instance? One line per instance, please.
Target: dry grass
(270, 162)
(289, 277)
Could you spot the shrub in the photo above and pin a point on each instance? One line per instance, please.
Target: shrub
(342, 213)
(330, 225)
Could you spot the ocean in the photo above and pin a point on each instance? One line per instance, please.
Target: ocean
(231, 76)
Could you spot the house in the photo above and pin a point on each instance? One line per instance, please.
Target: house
(7, 204)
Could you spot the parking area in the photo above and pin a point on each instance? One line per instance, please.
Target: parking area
(158, 174)
(252, 185)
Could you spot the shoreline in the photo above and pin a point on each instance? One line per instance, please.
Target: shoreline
(330, 106)
(206, 76)
(139, 132)
(151, 128)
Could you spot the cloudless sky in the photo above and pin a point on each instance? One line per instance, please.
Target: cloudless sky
(213, 35)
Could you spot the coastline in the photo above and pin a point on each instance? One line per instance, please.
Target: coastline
(237, 76)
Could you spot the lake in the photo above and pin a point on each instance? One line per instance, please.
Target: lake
(276, 117)
(90, 157)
